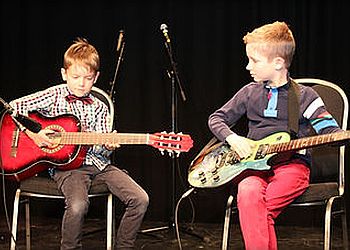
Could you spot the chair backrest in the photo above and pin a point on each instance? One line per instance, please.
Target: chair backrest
(104, 97)
(328, 162)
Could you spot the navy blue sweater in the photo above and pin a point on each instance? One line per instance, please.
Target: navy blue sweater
(267, 112)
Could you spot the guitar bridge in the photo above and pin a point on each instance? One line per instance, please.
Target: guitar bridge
(14, 144)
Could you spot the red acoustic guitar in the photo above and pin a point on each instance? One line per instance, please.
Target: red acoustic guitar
(22, 158)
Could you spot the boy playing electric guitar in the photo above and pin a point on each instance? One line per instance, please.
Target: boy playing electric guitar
(262, 196)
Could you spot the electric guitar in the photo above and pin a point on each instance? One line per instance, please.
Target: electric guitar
(22, 158)
(218, 164)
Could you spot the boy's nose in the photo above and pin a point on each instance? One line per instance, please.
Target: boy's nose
(81, 82)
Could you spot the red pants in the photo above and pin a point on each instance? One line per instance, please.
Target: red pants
(262, 197)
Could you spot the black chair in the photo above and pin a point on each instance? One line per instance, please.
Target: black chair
(41, 186)
(327, 173)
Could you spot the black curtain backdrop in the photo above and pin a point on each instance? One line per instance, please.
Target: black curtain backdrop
(207, 44)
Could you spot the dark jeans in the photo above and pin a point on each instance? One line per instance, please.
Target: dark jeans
(75, 185)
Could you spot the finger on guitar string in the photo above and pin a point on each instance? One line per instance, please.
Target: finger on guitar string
(41, 139)
(112, 145)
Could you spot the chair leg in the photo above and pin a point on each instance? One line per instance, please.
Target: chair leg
(110, 224)
(113, 221)
(27, 209)
(15, 219)
(327, 224)
(227, 224)
(344, 227)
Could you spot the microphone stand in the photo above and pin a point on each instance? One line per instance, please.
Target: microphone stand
(175, 84)
(120, 59)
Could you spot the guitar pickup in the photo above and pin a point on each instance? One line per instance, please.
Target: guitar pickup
(203, 180)
(262, 151)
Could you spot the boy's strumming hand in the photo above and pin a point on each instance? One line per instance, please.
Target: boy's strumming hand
(41, 139)
(240, 145)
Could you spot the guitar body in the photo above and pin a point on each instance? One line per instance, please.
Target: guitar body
(22, 158)
(220, 165)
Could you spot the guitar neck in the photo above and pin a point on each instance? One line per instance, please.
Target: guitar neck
(309, 142)
(87, 138)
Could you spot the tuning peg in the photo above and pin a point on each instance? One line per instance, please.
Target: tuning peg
(170, 152)
(175, 153)
(161, 151)
(178, 138)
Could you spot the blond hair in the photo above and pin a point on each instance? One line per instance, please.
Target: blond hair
(274, 40)
(82, 52)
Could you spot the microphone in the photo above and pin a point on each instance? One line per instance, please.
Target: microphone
(23, 120)
(28, 123)
(120, 39)
(164, 29)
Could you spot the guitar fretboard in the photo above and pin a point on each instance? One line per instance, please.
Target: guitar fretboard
(86, 138)
(308, 142)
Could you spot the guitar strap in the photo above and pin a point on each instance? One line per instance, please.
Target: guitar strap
(293, 108)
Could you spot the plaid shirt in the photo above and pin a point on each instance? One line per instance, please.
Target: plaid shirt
(93, 117)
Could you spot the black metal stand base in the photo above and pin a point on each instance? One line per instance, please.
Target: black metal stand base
(185, 230)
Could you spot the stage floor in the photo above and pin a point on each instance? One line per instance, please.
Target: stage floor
(45, 235)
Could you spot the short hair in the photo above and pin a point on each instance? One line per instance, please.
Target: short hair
(275, 39)
(82, 52)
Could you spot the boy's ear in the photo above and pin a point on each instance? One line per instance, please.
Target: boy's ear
(63, 74)
(279, 63)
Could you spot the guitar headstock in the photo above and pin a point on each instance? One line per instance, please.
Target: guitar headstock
(171, 142)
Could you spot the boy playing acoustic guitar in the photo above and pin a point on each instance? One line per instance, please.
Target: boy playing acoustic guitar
(80, 71)
(262, 195)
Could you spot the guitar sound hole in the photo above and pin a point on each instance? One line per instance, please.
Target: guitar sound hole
(56, 137)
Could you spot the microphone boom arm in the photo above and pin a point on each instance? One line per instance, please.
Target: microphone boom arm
(174, 68)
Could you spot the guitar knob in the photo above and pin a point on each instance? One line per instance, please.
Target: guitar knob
(216, 178)
(201, 173)
(214, 170)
